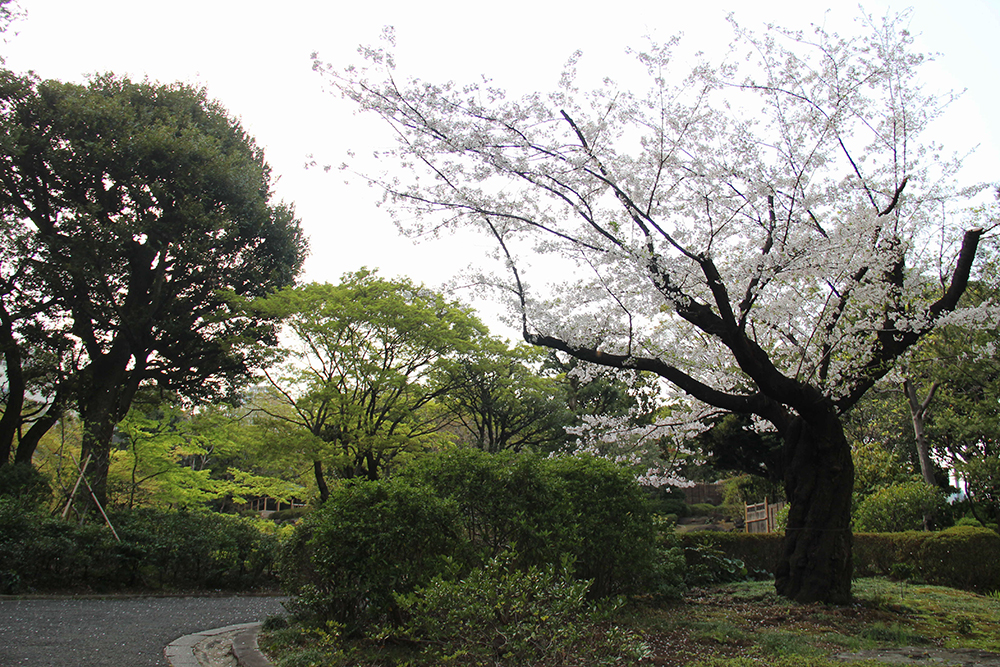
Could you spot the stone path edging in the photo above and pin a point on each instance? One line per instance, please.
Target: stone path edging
(246, 651)
(180, 652)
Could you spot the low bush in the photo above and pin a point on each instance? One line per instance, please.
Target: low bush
(24, 485)
(503, 615)
(289, 515)
(667, 506)
(962, 557)
(876, 554)
(707, 509)
(583, 506)
(35, 549)
(898, 507)
(368, 541)
(666, 577)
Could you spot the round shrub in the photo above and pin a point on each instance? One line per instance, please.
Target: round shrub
(503, 499)
(608, 524)
(36, 550)
(502, 615)
(668, 506)
(367, 541)
(897, 508)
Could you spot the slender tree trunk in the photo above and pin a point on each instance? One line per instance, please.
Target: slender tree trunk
(816, 561)
(98, 416)
(324, 490)
(104, 392)
(918, 414)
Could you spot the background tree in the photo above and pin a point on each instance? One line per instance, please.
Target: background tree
(148, 209)
(762, 233)
(503, 399)
(357, 383)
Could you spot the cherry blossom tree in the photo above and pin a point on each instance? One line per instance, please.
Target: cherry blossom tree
(763, 233)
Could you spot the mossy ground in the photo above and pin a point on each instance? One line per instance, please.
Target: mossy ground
(736, 625)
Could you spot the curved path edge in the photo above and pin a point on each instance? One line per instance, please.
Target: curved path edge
(180, 652)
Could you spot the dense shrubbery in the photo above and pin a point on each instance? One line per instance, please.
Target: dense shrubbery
(158, 549)
(451, 513)
(962, 557)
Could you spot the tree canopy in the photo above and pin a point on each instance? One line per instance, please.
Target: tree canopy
(357, 385)
(134, 216)
(768, 233)
(504, 399)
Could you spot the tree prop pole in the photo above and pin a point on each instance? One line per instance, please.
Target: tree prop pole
(96, 501)
(76, 486)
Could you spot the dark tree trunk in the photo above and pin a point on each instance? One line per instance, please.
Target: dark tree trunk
(104, 395)
(11, 419)
(98, 416)
(324, 490)
(819, 479)
(28, 443)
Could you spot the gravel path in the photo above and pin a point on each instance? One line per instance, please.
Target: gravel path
(117, 632)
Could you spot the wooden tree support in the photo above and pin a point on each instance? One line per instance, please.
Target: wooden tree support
(72, 495)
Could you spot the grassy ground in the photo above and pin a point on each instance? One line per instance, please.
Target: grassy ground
(736, 625)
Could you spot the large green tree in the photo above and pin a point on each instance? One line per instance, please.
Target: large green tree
(761, 232)
(504, 399)
(357, 384)
(140, 213)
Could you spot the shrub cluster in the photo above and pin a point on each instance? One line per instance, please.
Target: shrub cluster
(158, 550)
(963, 557)
(453, 512)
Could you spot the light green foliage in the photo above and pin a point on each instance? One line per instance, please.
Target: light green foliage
(876, 467)
(357, 375)
(167, 456)
(503, 615)
(147, 468)
(898, 507)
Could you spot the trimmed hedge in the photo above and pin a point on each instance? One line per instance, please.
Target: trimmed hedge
(158, 550)
(759, 552)
(963, 557)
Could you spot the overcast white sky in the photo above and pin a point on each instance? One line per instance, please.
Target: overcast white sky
(254, 57)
